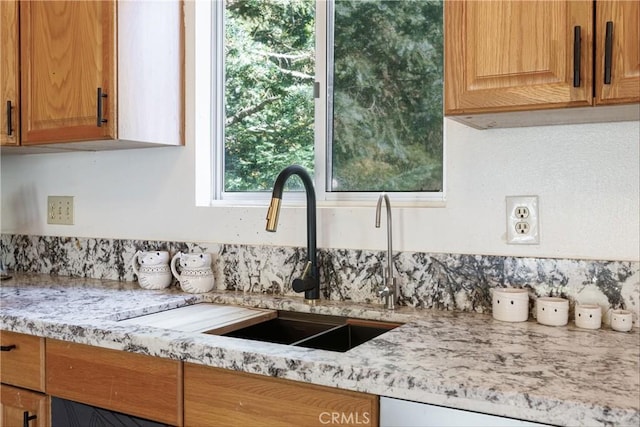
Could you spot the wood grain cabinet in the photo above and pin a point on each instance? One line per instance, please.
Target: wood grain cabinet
(67, 54)
(224, 398)
(135, 384)
(21, 368)
(22, 360)
(617, 24)
(95, 75)
(506, 56)
(9, 74)
(20, 407)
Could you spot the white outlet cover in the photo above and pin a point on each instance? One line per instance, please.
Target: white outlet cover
(60, 210)
(531, 203)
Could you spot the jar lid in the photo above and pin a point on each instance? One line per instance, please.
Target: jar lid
(620, 312)
(553, 302)
(515, 293)
(588, 306)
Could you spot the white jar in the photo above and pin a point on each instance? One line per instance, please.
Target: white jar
(588, 316)
(510, 304)
(621, 320)
(552, 311)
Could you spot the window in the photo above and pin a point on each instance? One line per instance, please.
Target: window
(350, 90)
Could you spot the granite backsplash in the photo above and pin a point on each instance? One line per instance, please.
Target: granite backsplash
(426, 280)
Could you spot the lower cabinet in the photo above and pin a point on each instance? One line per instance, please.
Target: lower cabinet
(175, 393)
(22, 360)
(219, 397)
(143, 386)
(19, 407)
(22, 376)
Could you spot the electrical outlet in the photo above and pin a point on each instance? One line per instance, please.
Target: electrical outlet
(522, 212)
(60, 210)
(522, 220)
(522, 227)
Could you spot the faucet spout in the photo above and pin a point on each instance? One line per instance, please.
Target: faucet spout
(309, 283)
(389, 289)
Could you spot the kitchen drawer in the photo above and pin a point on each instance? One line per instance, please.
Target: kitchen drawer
(219, 397)
(18, 405)
(134, 384)
(22, 360)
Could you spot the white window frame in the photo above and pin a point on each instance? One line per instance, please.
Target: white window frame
(215, 151)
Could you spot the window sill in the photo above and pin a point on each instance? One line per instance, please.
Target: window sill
(300, 202)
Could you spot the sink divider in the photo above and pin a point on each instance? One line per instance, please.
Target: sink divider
(303, 340)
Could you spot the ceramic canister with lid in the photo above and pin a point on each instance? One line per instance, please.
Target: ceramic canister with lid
(588, 316)
(621, 320)
(510, 304)
(552, 311)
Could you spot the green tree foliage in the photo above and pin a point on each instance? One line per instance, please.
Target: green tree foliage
(269, 54)
(387, 126)
(388, 95)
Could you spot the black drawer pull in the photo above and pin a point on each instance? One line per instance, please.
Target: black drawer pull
(7, 347)
(100, 120)
(9, 126)
(576, 56)
(26, 418)
(608, 51)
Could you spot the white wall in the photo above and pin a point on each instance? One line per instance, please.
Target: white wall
(587, 178)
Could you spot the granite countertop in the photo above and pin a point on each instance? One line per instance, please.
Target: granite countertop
(562, 375)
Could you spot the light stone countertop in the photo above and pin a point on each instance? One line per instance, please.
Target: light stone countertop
(555, 375)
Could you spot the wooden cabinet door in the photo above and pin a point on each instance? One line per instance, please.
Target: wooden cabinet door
(22, 360)
(18, 405)
(624, 83)
(516, 55)
(9, 74)
(219, 397)
(67, 52)
(135, 384)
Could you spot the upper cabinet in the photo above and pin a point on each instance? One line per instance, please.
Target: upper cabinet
(618, 48)
(507, 56)
(95, 75)
(9, 74)
(67, 56)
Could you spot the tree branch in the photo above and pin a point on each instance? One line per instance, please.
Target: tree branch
(245, 112)
(297, 74)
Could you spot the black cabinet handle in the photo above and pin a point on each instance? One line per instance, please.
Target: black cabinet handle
(608, 50)
(7, 347)
(100, 119)
(9, 127)
(576, 56)
(26, 418)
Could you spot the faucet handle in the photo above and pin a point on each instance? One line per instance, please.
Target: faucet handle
(303, 284)
(383, 291)
(307, 281)
(305, 272)
(389, 294)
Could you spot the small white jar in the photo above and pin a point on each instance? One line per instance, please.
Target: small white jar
(588, 316)
(510, 304)
(552, 311)
(621, 320)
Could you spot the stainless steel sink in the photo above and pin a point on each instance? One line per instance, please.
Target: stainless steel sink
(317, 331)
